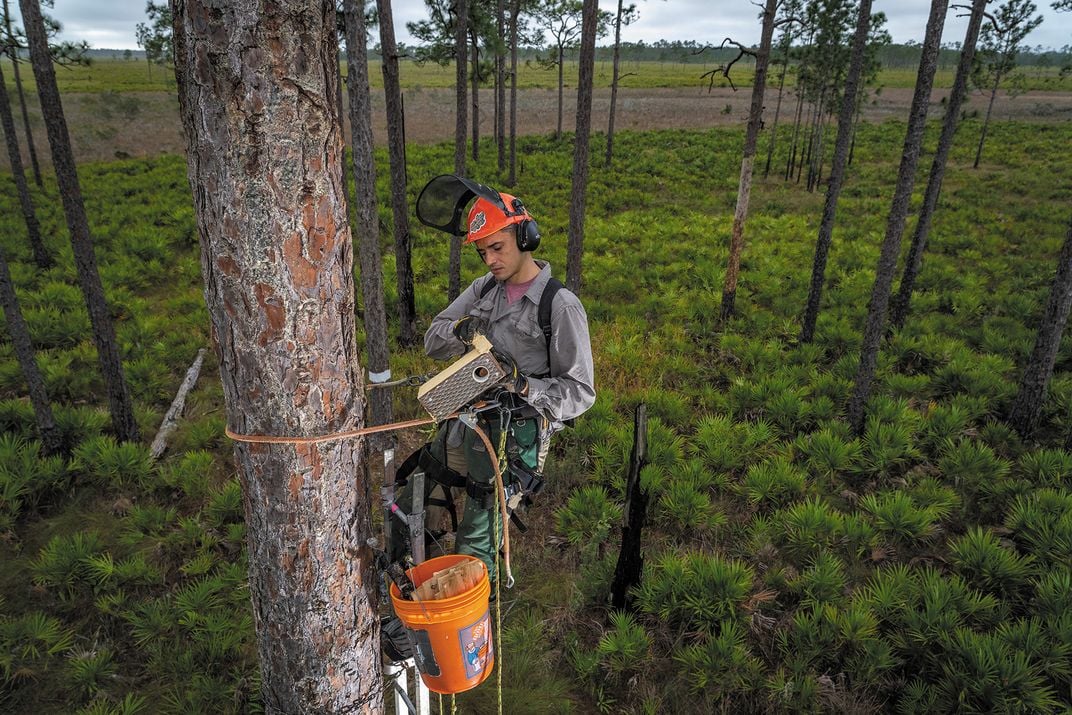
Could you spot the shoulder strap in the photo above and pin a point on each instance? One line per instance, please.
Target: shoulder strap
(546, 300)
(487, 287)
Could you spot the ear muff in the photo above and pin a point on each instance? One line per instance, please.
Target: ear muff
(528, 235)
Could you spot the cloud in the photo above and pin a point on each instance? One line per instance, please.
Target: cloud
(111, 24)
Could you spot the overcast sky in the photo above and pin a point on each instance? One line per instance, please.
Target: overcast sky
(109, 24)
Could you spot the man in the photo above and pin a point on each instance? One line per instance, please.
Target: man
(549, 377)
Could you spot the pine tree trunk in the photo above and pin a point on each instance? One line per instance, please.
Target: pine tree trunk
(396, 150)
(264, 158)
(791, 162)
(515, 11)
(368, 210)
(614, 85)
(582, 138)
(558, 127)
(119, 403)
(777, 112)
(837, 171)
(902, 195)
(986, 122)
(14, 55)
(500, 89)
(29, 215)
(476, 97)
(461, 75)
(900, 304)
(1027, 407)
(24, 353)
(744, 190)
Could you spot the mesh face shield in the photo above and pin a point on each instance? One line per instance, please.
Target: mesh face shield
(441, 204)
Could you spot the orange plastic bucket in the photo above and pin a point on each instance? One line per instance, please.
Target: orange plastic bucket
(451, 637)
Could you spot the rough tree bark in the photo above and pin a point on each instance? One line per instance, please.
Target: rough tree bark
(900, 303)
(902, 194)
(51, 442)
(751, 137)
(1027, 407)
(515, 12)
(368, 210)
(837, 170)
(461, 14)
(29, 215)
(582, 137)
(13, 54)
(119, 403)
(264, 159)
(396, 151)
(614, 84)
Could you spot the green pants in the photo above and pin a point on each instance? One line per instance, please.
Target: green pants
(475, 534)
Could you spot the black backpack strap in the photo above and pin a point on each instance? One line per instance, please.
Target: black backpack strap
(487, 287)
(546, 301)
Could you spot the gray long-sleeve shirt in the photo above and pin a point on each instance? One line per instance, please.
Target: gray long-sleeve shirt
(569, 388)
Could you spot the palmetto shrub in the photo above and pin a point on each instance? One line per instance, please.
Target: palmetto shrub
(687, 512)
(726, 446)
(722, 663)
(131, 704)
(976, 472)
(27, 644)
(63, 566)
(823, 581)
(588, 517)
(1046, 467)
(624, 647)
(774, 483)
(889, 448)
(1041, 523)
(91, 671)
(986, 564)
(981, 673)
(26, 478)
(111, 463)
(190, 473)
(828, 455)
(898, 518)
(806, 528)
(694, 590)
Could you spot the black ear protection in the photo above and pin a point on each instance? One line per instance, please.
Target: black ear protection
(528, 233)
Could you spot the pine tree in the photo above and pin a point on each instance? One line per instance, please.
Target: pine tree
(368, 210)
(875, 326)
(119, 403)
(837, 170)
(396, 151)
(278, 259)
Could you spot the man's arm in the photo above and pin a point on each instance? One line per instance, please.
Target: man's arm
(439, 341)
(571, 390)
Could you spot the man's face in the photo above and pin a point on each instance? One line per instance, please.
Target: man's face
(500, 253)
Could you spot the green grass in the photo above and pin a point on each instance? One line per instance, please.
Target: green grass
(105, 75)
(914, 567)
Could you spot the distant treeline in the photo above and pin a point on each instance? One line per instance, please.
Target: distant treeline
(691, 52)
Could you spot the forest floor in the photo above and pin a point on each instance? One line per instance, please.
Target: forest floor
(110, 125)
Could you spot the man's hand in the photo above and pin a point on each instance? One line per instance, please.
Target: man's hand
(468, 328)
(514, 380)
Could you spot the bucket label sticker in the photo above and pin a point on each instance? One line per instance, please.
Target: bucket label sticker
(476, 646)
(423, 653)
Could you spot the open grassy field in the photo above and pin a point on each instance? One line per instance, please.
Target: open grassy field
(138, 76)
(791, 567)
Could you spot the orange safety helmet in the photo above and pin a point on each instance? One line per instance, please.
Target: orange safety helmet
(485, 218)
